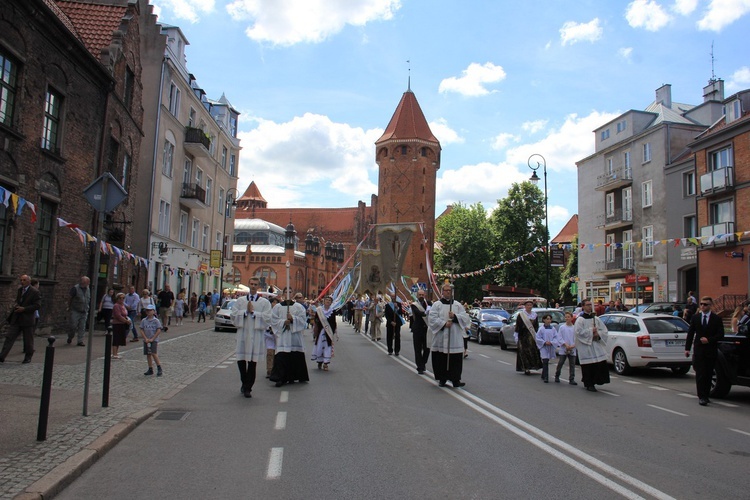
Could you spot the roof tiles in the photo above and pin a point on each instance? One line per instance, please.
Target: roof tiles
(94, 23)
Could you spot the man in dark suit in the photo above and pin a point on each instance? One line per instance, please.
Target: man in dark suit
(22, 320)
(419, 329)
(706, 329)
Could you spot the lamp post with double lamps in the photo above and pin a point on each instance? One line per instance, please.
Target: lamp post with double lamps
(230, 203)
(539, 161)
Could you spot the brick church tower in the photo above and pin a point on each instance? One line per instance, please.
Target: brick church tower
(408, 155)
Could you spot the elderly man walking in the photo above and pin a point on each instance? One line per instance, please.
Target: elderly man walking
(22, 319)
(78, 305)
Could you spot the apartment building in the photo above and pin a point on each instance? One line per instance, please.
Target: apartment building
(626, 206)
(722, 217)
(192, 148)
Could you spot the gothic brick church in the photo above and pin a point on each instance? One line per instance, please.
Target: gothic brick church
(318, 241)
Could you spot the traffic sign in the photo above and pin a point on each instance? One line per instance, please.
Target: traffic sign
(115, 193)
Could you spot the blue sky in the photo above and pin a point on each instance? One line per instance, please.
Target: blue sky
(317, 81)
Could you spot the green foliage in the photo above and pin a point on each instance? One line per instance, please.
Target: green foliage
(570, 271)
(518, 224)
(466, 243)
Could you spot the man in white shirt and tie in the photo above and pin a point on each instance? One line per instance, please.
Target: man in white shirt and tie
(252, 316)
(706, 329)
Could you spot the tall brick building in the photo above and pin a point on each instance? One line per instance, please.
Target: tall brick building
(70, 110)
(408, 155)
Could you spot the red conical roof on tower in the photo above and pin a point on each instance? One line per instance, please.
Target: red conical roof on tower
(408, 122)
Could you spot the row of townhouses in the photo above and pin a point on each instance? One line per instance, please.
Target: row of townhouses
(663, 202)
(89, 87)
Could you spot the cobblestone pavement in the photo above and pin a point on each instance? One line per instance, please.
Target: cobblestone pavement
(184, 358)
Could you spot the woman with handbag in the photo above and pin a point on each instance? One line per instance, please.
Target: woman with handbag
(120, 325)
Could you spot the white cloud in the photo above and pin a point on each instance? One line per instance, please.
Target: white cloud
(189, 10)
(473, 79)
(626, 53)
(740, 79)
(444, 133)
(501, 141)
(685, 7)
(573, 32)
(561, 148)
(721, 13)
(534, 126)
(308, 153)
(647, 14)
(296, 21)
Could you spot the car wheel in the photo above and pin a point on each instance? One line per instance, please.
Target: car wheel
(480, 337)
(217, 329)
(680, 370)
(503, 345)
(620, 360)
(720, 384)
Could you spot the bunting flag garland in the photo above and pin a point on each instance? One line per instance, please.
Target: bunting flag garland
(626, 245)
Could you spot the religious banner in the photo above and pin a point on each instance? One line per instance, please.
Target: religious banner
(371, 273)
(393, 241)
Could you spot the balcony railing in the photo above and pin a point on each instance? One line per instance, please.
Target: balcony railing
(193, 195)
(619, 262)
(717, 180)
(621, 176)
(726, 228)
(620, 217)
(197, 143)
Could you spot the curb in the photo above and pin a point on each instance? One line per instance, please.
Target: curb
(61, 476)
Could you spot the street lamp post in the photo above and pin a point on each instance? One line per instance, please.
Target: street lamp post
(230, 203)
(535, 180)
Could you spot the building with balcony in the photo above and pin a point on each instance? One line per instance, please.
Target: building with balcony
(626, 205)
(722, 169)
(192, 153)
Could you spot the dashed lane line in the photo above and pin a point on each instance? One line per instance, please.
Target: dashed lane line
(739, 431)
(634, 382)
(504, 362)
(668, 410)
(275, 461)
(284, 397)
(280, 421)
(610, 393)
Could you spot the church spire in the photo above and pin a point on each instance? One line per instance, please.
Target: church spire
(408, 122)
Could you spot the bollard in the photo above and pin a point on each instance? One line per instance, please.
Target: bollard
(49, 361)
(107, 366)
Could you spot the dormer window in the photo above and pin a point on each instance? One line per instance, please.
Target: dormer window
(605, 134)
(621, 126)
(734, 110)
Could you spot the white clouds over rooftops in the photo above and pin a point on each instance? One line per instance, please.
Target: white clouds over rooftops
(444, 133)
(189, 10)
(721, 13)
(573, 32)
(296, 21)
(647, 14)
(473, 80)
(285, 159)
(740, 79)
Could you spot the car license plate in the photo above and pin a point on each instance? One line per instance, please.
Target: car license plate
(675, 342)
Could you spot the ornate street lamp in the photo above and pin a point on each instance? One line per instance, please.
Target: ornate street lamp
(230, 203)
(541, 162)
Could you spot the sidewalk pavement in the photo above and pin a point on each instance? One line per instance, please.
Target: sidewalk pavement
(41, 469)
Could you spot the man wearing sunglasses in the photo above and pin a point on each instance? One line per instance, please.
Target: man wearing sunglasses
(706, 329)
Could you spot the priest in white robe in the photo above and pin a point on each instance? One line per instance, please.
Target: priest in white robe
(252, 316)
(288, 324)
(447, 320)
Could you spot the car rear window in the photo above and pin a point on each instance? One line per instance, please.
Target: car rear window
(665, 325)
(491, 317)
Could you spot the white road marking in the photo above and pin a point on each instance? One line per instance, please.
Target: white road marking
(484, 355)
(739, 431)
(275, 460)
(221, 366)
(668, 410)
(686, 395)
(722, 403)
(609, 392)
(542, 440)
(284, 397)
(280, 421)
(504, 362)
(657, 388)
(634, 382)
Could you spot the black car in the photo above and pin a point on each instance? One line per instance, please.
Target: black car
(486, 324)
(732, 365)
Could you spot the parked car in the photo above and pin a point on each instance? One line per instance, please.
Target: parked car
(222, 319)
(486, 324)
(646, 340)
(732, 365)
(659, 307)
(507, 339)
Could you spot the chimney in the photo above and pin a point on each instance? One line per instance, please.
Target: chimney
(714, 91)
(664, 95)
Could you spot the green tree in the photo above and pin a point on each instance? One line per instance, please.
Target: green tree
(570, 272)
(518, 223)
(464, 239)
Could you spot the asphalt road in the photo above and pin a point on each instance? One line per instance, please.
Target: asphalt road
(372, 428)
